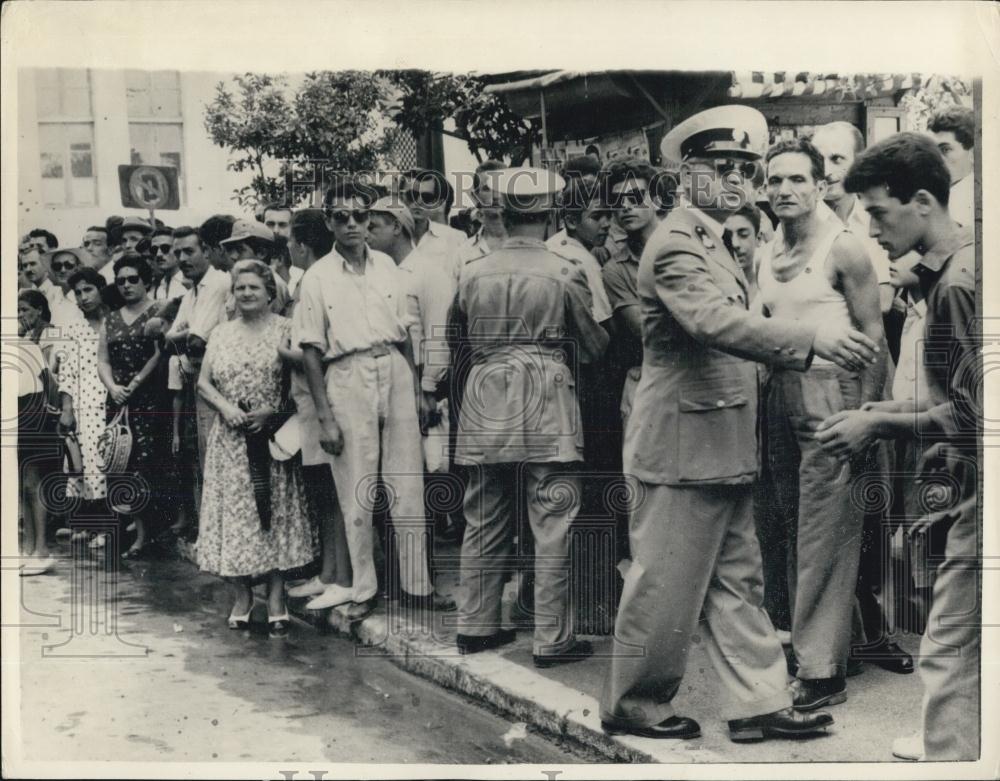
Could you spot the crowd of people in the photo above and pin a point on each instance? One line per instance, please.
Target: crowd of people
(743, 340)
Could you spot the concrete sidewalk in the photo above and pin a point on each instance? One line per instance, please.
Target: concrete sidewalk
(563, 700)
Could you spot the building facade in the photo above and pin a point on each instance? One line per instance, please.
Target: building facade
(77, 125)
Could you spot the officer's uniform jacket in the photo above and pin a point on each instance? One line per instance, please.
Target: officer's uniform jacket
(694, 417)
(522, 321)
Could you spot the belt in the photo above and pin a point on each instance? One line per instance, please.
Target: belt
(375, 351)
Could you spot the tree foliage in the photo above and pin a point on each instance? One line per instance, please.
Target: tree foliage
(934, 94)
(333, 119)
(482, 119)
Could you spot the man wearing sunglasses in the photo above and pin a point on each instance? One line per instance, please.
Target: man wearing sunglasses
(429, 197)
(170, 284)
(691, 446)
(353, 321)
(63, 263)
(629, 184)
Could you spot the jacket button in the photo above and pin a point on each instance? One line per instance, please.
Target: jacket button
(720, 403)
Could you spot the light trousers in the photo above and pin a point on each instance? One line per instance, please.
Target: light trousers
(813, 492)
(374, 404)
(950, 648)
(551, 493)
(693, 549)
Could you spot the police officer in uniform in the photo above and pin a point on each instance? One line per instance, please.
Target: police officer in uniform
(522, 318)
(691, 449)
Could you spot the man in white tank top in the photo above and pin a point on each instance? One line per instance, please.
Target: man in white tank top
(815, 271)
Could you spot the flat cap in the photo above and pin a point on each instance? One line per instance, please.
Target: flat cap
(391, 205)
(249, 229)
(525, 189)
(723, 131)
(135, 224)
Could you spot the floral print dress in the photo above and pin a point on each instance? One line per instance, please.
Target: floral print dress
(246, 367)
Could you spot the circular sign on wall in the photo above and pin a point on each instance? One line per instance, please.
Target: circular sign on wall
(149, 186)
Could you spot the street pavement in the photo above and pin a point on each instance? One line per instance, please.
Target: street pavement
(171, 682)
(159, 677)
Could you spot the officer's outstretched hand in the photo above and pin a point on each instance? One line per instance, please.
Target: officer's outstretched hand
(848, 348)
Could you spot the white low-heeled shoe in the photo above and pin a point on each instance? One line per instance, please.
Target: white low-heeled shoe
(241, 622)
(332, 596)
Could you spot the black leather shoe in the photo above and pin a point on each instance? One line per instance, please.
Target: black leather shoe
(473, 644)
(436, 601)
(580, 650)
(886, 655)
(676, 727)
(813, 694)
(780, 724)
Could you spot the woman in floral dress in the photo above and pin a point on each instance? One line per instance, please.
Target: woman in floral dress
(250, 528)
(126, 362)
(81, 391)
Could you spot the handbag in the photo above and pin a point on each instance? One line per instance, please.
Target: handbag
(114, 446)
(73, 454)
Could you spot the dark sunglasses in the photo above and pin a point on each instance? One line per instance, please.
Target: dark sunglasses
(423, 198)
(67, 265)
(132, 279)
(341, 216)
(164, 248)
(746, 168)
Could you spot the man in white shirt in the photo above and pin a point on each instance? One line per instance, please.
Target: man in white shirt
(202, 308)
(170, 285)
(353, 320)
(954, 132)
(839, 143)
(95, 241)
(492, 233)
(63, 263)
(277, 218)
(430, 196)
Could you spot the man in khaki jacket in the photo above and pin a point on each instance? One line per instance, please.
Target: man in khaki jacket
(691, 447)
(523, 319)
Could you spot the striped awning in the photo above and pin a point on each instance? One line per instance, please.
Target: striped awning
(753, 85)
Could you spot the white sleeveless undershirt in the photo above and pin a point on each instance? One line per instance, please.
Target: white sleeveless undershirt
(808, 296)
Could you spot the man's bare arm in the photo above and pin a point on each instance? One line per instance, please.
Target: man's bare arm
(855, 278)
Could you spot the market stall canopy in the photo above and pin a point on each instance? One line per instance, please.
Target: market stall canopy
(755, 85)
(563, 90)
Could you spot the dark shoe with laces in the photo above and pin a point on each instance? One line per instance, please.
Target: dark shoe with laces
(780, 724)
(474, 644)
(582, 649)
(886, 655)
(812, 694)
(676, 728)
